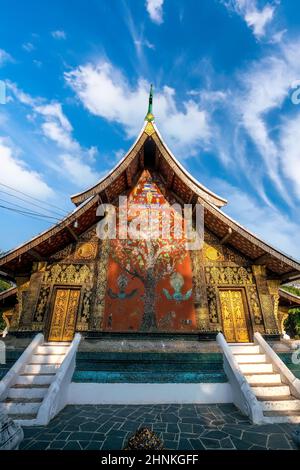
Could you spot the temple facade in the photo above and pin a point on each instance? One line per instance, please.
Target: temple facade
(68, 279)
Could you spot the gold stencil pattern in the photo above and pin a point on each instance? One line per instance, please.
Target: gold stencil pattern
(68, 274)
(64, 315)
(233, 316)
(228, 275)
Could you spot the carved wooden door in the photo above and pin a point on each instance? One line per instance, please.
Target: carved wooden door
(234, 316)
(64, 314)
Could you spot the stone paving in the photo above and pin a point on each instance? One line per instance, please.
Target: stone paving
(182, 427)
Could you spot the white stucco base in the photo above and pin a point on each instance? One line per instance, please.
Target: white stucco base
(141, 393)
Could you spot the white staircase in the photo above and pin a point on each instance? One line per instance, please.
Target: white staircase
(30, 389)
(26, 395)
(263, 387)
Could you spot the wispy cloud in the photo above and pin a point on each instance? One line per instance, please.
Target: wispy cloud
(256, 18)
(5, 57)
(59, 34)
(105, 92)
(271, 225)
(56, 127)
(16, 173)
(265, 87)
(155, 10)
(28, 47)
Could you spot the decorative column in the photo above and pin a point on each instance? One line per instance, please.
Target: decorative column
(266, 300)
(101, 273)
(200, 295)
(274, 285)
(28, 294)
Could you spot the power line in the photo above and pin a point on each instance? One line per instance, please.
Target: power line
(29, 213)
(31, 197)
(29, 202)
(25, 209)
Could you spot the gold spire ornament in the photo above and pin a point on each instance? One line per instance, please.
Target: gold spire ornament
(149, 116)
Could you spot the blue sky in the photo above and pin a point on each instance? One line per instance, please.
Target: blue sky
(77, 78)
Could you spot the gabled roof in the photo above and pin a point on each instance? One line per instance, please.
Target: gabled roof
(184, 187)
(288, 299)
(166, 162)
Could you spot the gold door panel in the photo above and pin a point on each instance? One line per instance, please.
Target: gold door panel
(64, 315)
(233, 316)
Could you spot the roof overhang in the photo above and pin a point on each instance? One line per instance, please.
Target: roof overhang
(184, 187)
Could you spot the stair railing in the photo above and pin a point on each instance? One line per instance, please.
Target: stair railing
(57, 395)
(279, 366)
(243, 396)
(11, 377)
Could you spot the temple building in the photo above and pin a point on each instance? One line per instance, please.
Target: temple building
(69, 280)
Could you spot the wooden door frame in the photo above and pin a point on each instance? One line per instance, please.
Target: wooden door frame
(55, 288)
(245, 305)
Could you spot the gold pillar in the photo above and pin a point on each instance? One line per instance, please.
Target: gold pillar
(265, 299)
(274, 285)
(200, 295)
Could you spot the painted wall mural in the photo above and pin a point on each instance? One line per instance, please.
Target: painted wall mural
(149, 286)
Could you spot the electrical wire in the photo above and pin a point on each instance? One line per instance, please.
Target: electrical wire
(31, 203)
(36, 215)
(27, 210)
(31, 197)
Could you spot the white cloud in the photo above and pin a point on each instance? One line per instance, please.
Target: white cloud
(257, 19)
(58, 34)
(55, 126)
(28, 47)
(155, 10)
(265, 87)
(5, 57)
(16, 173)
(105, 92)
(269, 224)
(290, 150)
(79, 171)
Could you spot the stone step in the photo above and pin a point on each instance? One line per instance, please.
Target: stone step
(269, 391)
(52, 349)
(35, 379)
(248, 349)
(250, 358)
(27, 393)
(22, 416)
(255, 368)
(21, 408)
(278, 398)
(41, 369)
(278, 417)
(263, 379)
(281, 405)
(29, 386)
(47, 359)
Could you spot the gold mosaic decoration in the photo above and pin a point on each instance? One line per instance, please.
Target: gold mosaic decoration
(234, 316)
(212, 305)
(86, 251)
(68, 274)
(229, 275)
(212, 254)
(42, 304)
(98, 310)
(254, 305)
(149, 129)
